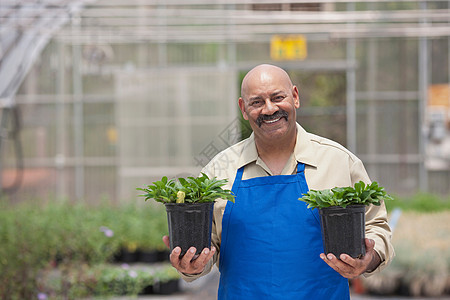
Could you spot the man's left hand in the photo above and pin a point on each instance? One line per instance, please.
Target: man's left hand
(353, 267)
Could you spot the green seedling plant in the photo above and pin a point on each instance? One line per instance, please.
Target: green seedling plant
(360, 194)
(187, 190)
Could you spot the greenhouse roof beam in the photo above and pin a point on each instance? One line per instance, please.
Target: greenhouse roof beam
(240, 2)
(26, 27)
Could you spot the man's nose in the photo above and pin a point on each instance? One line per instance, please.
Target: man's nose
(269, 108)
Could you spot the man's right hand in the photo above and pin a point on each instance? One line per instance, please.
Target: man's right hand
(190, 263)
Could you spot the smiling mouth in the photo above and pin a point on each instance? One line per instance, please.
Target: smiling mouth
(271, 121)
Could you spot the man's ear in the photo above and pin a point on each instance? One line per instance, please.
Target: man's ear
(296, 97)
(242, 107)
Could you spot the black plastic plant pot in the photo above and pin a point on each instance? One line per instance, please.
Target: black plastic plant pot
(148, 256)
(343, 230)
(190, 225)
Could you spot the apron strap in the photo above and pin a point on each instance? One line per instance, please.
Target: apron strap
(237, 179)
(240, 171)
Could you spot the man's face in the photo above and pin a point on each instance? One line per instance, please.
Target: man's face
(269, 103)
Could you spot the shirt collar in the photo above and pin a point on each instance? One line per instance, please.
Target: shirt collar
(249, 152)
(303, 152)
(304, 149)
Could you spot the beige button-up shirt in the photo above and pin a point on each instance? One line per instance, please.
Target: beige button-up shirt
(327, 165)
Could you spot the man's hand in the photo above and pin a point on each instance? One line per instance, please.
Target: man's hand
(353, 267)
(189, 263)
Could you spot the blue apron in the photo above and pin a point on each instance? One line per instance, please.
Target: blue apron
(271, 243)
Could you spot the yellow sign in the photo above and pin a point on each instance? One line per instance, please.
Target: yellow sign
(288, 47)
(439, 95)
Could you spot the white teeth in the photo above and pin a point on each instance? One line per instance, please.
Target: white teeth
(271, 121)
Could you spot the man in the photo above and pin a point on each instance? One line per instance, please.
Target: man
(268, 244)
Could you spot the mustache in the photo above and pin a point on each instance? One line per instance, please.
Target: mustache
(278, 114)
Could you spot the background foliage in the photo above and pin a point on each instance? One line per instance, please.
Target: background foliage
(420, 202)
(70, 238)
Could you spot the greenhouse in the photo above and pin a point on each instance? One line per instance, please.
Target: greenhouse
(100, 95)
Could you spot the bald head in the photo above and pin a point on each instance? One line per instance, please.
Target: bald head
(261, 74)
(269, 101)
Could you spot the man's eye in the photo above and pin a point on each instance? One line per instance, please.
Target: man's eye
(278, 98)
(256, 103)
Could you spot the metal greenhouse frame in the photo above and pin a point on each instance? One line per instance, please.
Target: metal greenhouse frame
(110, 94)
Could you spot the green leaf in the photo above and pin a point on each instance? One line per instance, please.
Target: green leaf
(344, 196)
(195, 189)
